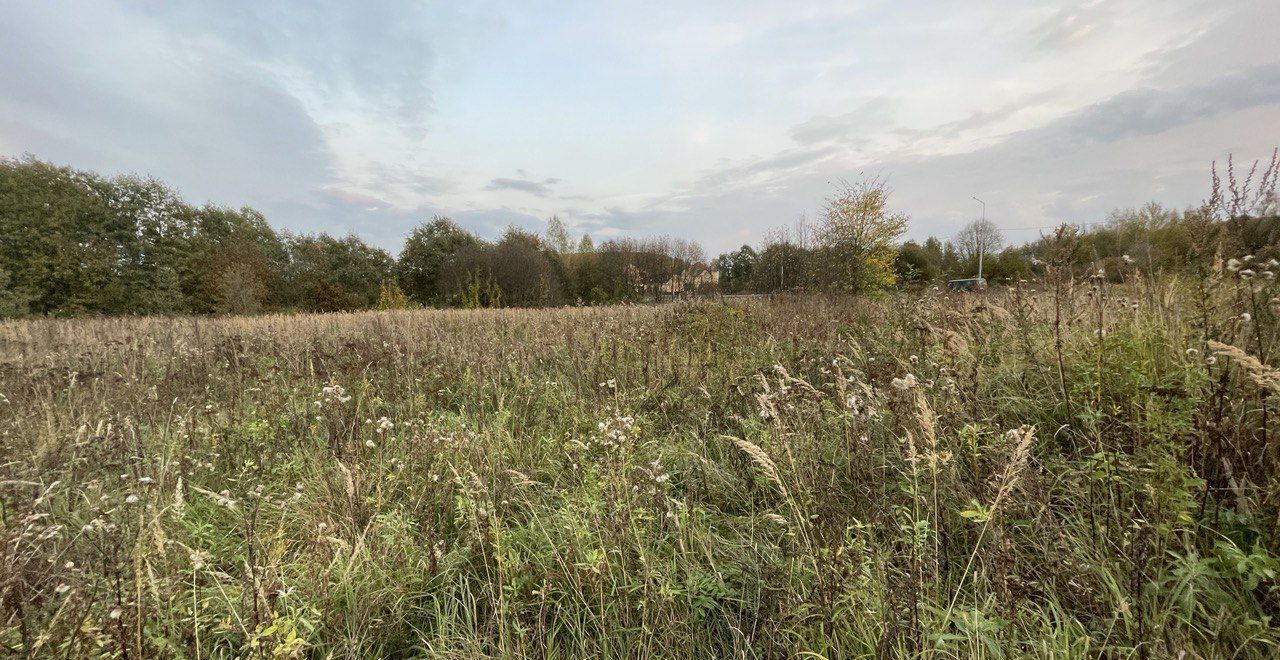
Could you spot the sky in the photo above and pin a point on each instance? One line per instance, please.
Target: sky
(714, 121)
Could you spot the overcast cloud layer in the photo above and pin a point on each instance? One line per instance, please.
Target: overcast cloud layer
(711, 120)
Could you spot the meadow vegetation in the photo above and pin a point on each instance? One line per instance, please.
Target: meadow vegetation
(1079, 463)
(1072, 467)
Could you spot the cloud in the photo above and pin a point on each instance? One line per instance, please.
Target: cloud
(378, 54)
(1139, 145)
(97, 89)
(1147, 111)
(329, 116)
(1072, 26)
(537, 188)
(872, 116)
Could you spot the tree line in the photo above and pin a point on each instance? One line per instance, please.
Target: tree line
(76, 242)
(1241, 216)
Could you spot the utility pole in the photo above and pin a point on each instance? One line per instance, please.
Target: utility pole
(982, 240)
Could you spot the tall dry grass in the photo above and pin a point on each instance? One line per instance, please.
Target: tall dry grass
(1061, 469)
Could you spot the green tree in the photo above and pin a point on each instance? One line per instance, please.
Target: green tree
(780, 266)
(58, 241)
(164, 295)
(14, 302)
(528, 274)
(424, 255)
(917, 264)
(236, 245)
(736, 268)
(337, 274)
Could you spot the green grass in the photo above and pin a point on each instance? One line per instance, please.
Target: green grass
(691, 480)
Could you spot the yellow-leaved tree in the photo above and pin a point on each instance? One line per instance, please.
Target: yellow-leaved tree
(857, 241)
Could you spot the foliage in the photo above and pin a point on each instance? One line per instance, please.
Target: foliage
(336, 274)
(858, 236)
(426, 253)
(736, 269)
(74, 242)
(391, 296)
(557, 238)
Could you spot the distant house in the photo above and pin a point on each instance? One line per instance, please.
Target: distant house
(698, 279)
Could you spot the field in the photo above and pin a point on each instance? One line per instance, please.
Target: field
(1064, 469)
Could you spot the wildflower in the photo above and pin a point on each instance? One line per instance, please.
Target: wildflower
(914, 359)
(1192, 352)
(63, 588)
(384, 424)
(1211, 360)
(1233, 265)
(132, 499)
(146, 480)
(322, 526)
(1127, 259)
(905, 383)
(115, 613)
(370, 443)
(1267, 274)
(1246, 317)
(333, 393)
(1246, 274)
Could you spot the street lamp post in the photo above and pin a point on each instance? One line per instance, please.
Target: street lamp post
(981, 239)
